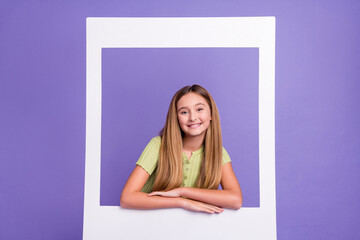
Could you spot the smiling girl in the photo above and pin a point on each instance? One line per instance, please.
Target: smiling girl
(184, 166)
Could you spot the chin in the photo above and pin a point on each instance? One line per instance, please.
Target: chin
(196, 134)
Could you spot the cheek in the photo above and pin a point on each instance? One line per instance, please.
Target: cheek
(207, 117)
(181, 120)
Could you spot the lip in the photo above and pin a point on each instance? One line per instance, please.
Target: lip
(195, 125)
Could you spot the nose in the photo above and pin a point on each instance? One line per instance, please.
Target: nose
(193, 116)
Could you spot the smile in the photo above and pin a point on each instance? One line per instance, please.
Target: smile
(194, 125)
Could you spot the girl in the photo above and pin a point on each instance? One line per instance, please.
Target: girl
(184, 167)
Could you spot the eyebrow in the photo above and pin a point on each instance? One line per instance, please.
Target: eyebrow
(194, 105)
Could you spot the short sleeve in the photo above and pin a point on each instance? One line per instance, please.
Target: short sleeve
(226, 157)
(149, 157)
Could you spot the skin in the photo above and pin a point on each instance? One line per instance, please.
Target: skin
(193, 109)
(194, 118)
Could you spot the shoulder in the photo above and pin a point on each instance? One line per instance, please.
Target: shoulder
(150, 155)
(154, 144)
(225, 156)
(156, 140)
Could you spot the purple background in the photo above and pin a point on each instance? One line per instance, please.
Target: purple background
(42, 119)
(137, 87)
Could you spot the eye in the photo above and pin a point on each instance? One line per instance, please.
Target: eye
(183, 112)
(200, 109)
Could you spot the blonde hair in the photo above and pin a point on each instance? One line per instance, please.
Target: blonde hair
(169, 172)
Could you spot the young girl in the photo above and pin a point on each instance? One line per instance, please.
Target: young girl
(184, 166)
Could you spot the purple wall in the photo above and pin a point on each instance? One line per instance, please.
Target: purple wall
(42, 119)
(137, 87)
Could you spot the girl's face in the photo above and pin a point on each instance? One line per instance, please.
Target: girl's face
(194, 114)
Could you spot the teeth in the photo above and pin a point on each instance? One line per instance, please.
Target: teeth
(194, 125)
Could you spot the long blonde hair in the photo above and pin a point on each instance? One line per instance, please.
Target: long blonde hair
(169, 172)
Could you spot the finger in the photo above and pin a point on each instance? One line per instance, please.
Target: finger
(203, 207)
(214, 208)
(154, 194)
(217, 209)
(206, 210)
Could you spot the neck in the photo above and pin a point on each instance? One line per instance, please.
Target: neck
(193, 143)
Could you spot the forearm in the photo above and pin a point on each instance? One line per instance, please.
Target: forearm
(222, 198)
(133, 198)
(140, 200)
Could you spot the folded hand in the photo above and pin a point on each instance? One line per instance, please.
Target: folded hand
(172, 193)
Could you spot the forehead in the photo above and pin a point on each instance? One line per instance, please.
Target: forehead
(191, 99)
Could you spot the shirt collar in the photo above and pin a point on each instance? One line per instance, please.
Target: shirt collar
(199, 151)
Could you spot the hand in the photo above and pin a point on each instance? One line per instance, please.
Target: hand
(176, 192)
(196, 206)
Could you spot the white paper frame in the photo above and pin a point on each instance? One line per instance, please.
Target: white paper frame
(113, 222)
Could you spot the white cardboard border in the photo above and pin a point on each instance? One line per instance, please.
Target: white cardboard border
(112, 222)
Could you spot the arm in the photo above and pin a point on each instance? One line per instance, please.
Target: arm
(229, 197)
(132, 197)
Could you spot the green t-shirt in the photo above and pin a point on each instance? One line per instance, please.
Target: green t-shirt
(191, 167)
